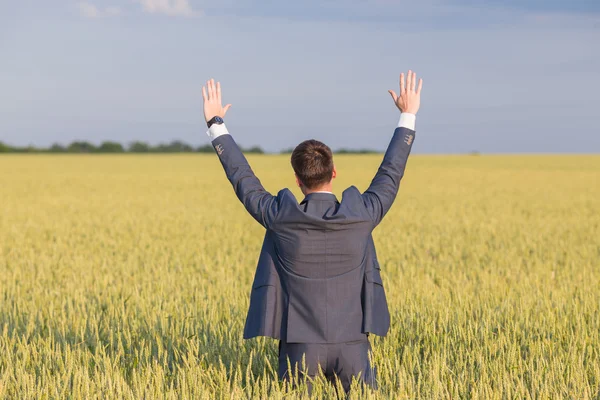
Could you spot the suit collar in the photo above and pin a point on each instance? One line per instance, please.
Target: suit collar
(319, 196)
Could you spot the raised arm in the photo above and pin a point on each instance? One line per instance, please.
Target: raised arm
(380, 195)
(260, 204)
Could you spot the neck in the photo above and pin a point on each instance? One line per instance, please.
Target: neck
(324, 188)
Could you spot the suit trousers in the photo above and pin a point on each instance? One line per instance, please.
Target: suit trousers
(341, 361)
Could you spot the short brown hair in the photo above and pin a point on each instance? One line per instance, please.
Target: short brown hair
(313, 163)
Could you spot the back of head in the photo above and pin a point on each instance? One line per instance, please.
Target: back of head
(313, 163)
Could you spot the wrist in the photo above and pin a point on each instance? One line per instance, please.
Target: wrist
(216, 120)
(409, 111)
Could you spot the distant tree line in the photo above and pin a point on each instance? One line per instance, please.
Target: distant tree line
(175, 146)
(340, 151)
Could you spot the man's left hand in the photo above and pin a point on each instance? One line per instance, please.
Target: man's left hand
(213, 107)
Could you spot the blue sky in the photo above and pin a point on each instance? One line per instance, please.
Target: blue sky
(500, 76)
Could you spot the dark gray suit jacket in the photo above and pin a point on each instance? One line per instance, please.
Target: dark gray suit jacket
(318, 279)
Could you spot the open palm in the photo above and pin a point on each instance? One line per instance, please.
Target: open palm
(409, 99)
(213, 106)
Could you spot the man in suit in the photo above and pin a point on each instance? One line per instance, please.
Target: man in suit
(318, 287)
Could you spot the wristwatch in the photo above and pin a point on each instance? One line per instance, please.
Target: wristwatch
(214, 120)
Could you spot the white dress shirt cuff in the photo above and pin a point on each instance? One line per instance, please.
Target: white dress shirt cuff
(408, 121)
(216, 130)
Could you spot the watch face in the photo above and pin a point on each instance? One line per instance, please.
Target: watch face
(219, 120)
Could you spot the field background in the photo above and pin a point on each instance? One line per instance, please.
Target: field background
(129, 277)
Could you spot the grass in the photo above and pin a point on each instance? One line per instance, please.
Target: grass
(128, 277)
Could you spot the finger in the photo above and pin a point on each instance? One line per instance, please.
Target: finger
(393, 94)
(420, 86)
(226, 109)
(208, 90)
(204, 94)
(413, 81)
(219, 92)
(408, 80)
(402, 86)
(213, 90)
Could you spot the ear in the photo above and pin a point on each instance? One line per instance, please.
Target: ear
(298, 181)
(334, 175)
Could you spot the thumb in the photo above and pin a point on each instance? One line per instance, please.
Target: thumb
(393, 94)
(226, 109)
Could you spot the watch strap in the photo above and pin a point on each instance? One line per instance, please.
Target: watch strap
(214, 120)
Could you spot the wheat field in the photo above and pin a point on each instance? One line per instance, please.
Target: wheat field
(128, 277)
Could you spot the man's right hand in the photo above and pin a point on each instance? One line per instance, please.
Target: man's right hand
(409, 99)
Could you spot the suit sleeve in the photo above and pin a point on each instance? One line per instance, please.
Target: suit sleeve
(380, 195)
(262, 205)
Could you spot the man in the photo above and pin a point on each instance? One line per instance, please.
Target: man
(318, 286)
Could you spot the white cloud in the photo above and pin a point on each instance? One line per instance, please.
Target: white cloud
(179, 8)
(89, 10)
